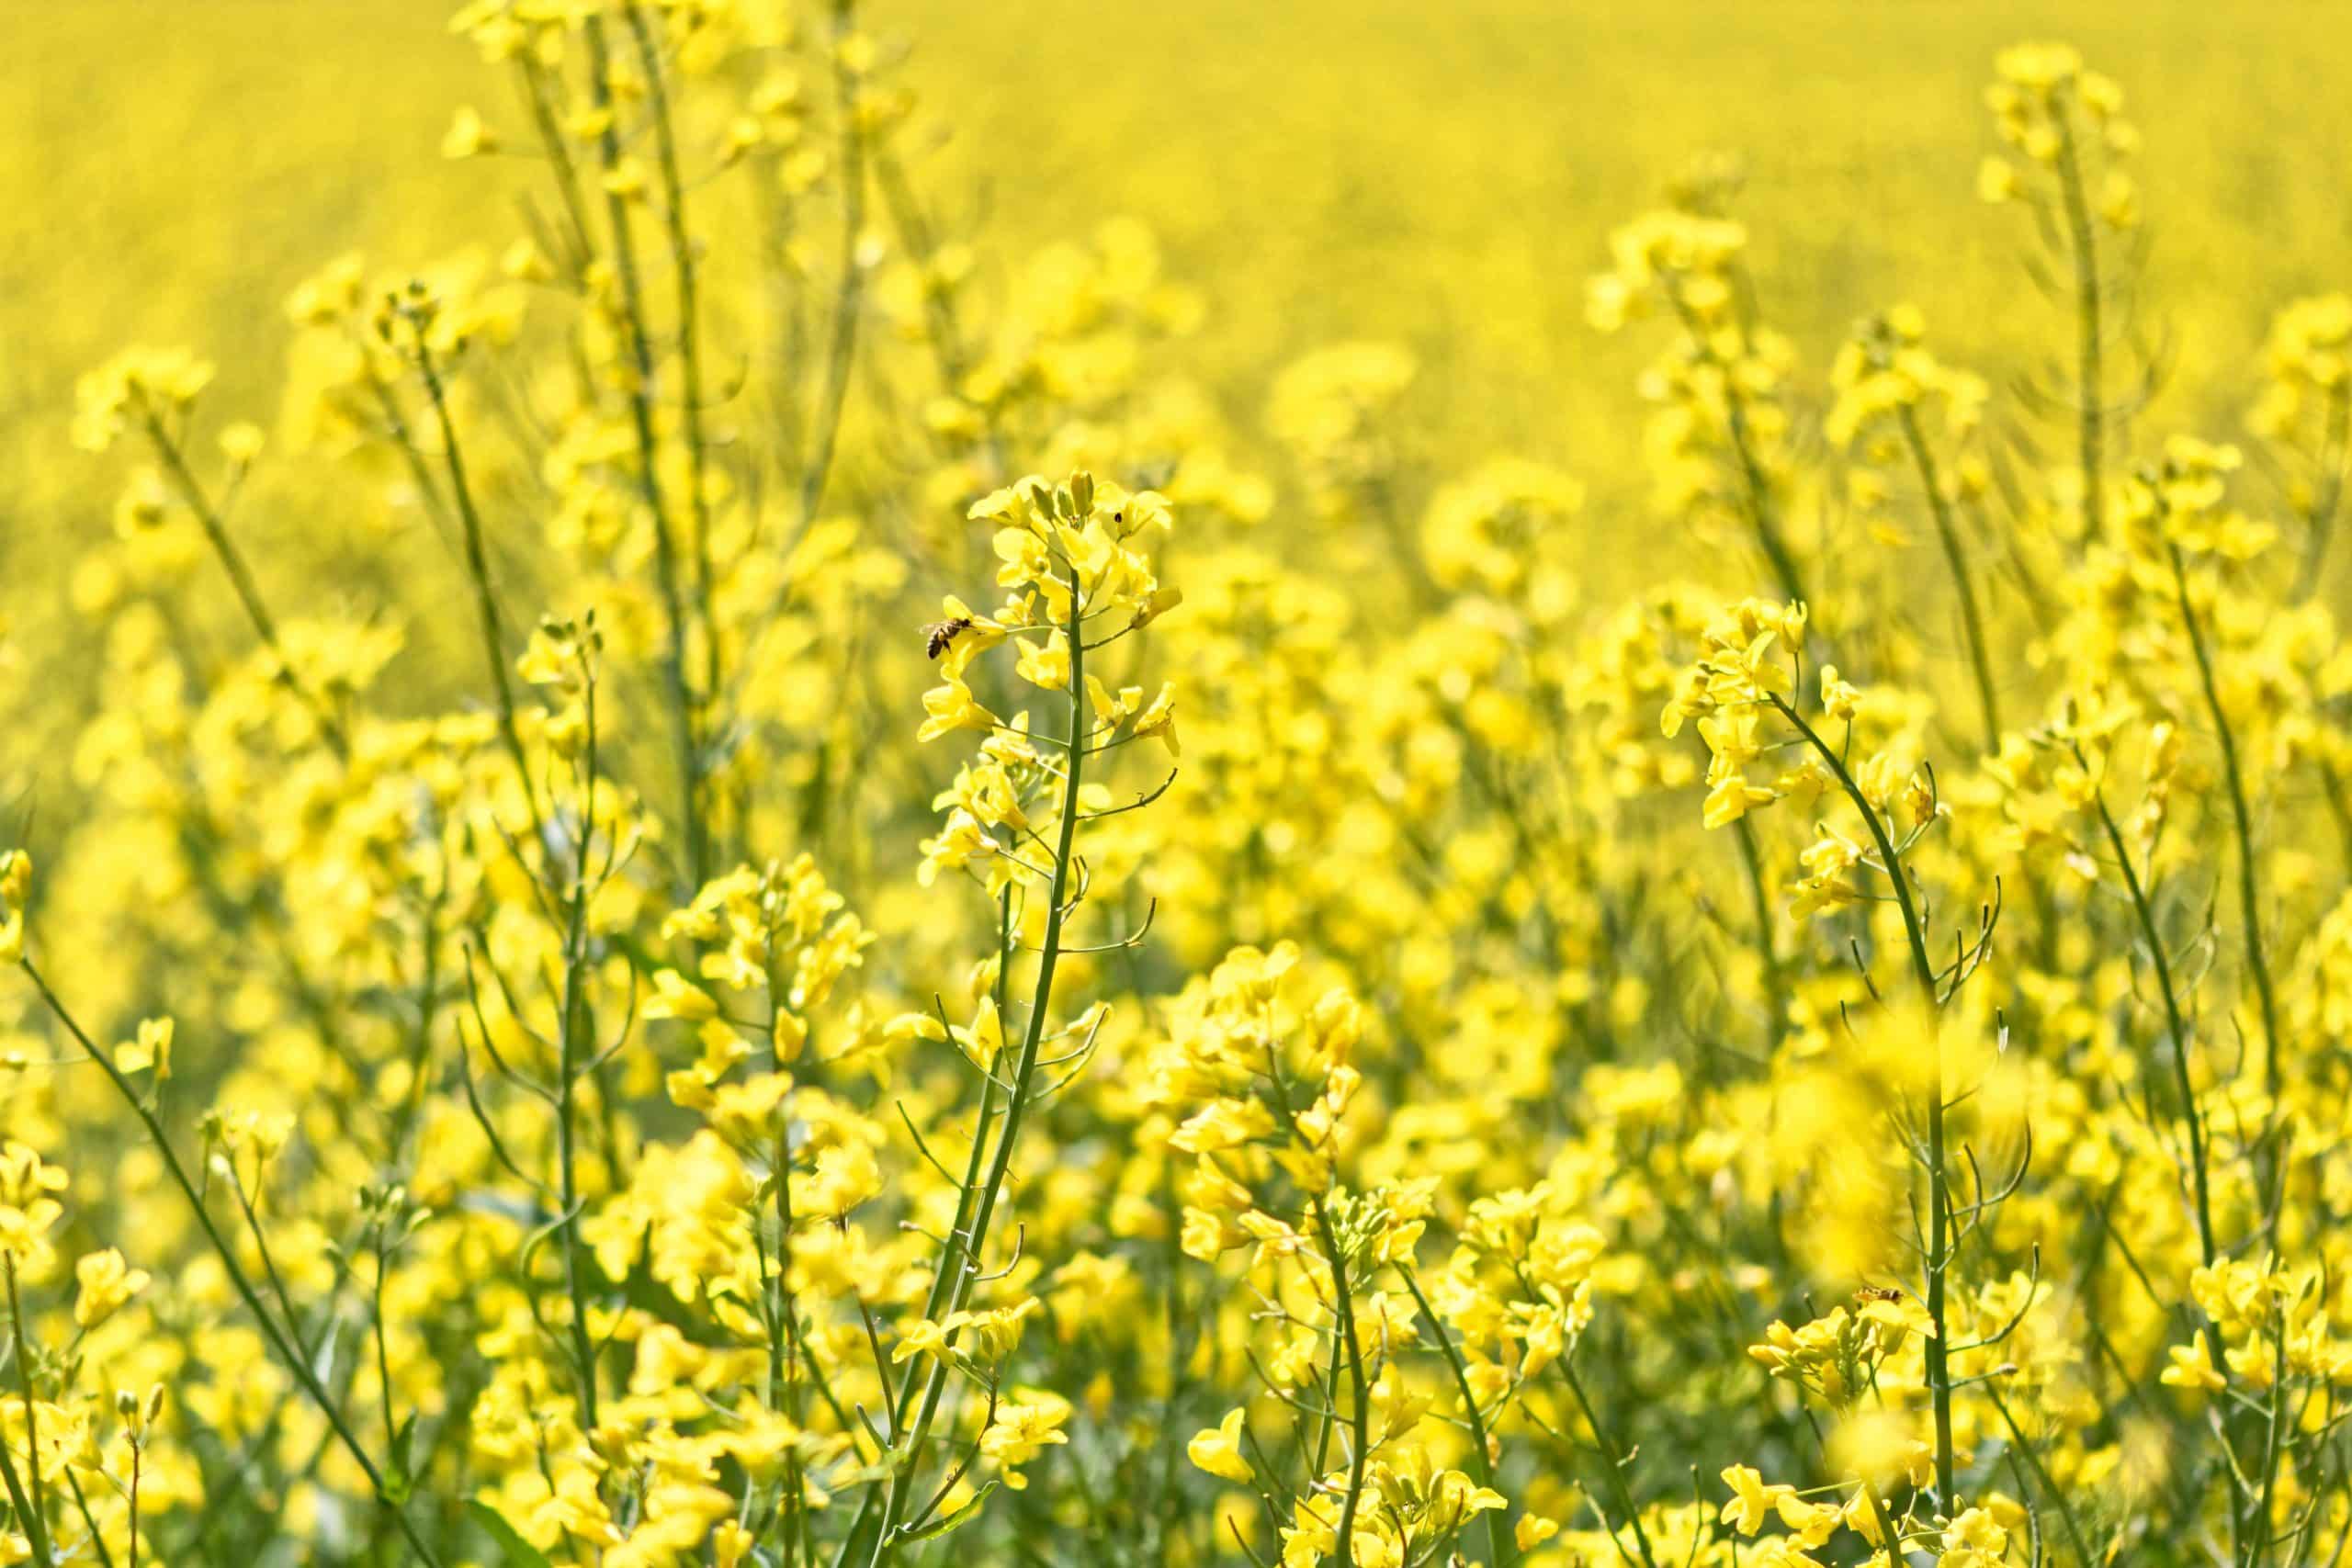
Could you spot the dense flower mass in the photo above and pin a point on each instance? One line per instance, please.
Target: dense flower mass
(924, 948)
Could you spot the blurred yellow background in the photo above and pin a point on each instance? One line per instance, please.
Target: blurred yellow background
(1440, 175)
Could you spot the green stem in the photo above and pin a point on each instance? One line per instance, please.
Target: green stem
(241, 578)
(958, 1271)
(842, 349)
(1477, 1423)
(1743, 445)
(493, 640)
(2042, 1473)
(684, 707)
(289, 1356)
(37, 1517)
(1360, 1413)
(1939, 1366)
(2089, 375)
(35, 1534)
(683, 263)
(1751, 855)
(2176, 1023)
(1611, 1458)
(2249, 897)
(1980, 656)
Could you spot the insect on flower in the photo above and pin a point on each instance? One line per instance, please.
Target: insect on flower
(937, 636)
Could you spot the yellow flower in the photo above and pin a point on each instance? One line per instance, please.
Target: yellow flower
(1024, 1429)
(1752, 1499)
(1974, 1540)
(2191, 1368)
(1533, 1530)
(951, 707)
(675, 996)
(106, 1283)
(1217, 1449)
(983, 1041)
(466, 137)
(151, 1048)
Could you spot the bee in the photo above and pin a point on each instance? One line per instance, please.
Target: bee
(939, 634)
(1878, 1293)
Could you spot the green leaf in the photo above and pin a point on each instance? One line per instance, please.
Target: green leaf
(953, 1517)
(514, 1552)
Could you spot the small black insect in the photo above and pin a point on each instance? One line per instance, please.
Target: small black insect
(939, 634)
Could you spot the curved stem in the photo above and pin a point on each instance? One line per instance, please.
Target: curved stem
(241, 579)
(1612, 1459)
(2249, 899)
(2174, 1024)
(1980, 656)
(1495, 1552)
(289, 1356)
(1915, 930)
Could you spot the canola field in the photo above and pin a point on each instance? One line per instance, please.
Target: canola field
(837, 782)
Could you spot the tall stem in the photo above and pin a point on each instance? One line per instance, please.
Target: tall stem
(241, 579)
(2089, 375)
(684, 264)
(1753, 478)
(1980, 656)
(493, 639)
(38, 1517)
(569, 1072)
(1939, 1204)
(2176, 1025)
(36, 1530)
(1360, 1412)
(1611, 1457)
(2334, 448)
(289, 1356)
(959, 1270)
(2249, 894)
(842, 349)
(684, 709)
(1470, 1414)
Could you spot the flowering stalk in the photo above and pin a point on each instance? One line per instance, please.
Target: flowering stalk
(959, 1266)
